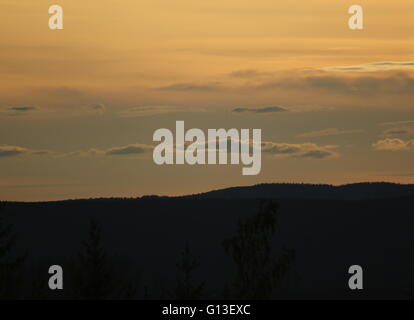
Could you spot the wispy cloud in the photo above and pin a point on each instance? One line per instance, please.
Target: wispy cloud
(128, 150)
(190, 87)
(275, 149)
(261, 110)
(21, 109)
(396, 123)
(282, 150)
(327, 132)
(401, 131)
(12, 151)
(394, 144)
(143, 111)
(131, 149)
(248, 73)
(304, 150)
(17, 110)
(374, 66)
(52, 110)
(386, 83)
(61, 92)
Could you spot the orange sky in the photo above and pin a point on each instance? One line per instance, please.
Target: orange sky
(120, 70)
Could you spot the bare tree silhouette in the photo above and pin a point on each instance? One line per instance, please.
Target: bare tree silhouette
(258, 271)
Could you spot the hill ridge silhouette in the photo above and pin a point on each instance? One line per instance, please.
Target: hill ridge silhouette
(352, 191)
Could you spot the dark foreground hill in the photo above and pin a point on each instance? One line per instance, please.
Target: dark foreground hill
(143, 238)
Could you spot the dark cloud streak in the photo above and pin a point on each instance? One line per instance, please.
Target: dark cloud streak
(260, 110)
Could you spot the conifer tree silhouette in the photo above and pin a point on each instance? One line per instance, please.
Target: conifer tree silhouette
(258, 271)
(185, 289)
(10, 263)
(93, 277)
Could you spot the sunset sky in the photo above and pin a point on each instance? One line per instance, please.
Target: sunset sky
(79, 106)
